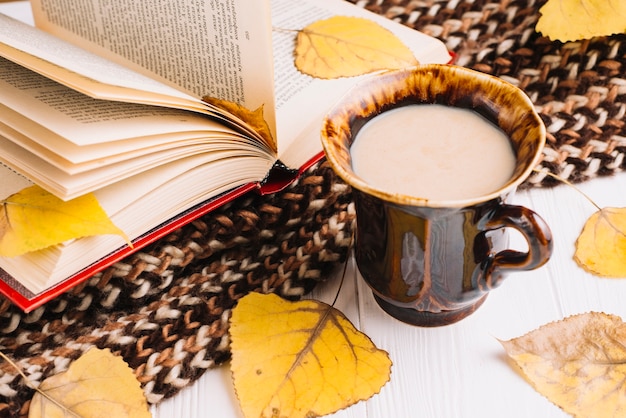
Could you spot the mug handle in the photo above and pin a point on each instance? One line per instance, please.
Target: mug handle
(534, 229)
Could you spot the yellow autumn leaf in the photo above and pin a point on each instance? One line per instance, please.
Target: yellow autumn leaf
(571, 20)
(601, 246)
(344, 46)
(97, 385)
(254, 118)
(300, 359)
(578, 363)
(33, 219)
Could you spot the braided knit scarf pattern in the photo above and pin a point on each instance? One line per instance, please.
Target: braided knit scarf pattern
(166, 309)
(578, 88)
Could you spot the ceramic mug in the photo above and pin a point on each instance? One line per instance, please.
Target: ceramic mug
(429, 262)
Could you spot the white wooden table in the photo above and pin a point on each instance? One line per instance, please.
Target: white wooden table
(459, 370)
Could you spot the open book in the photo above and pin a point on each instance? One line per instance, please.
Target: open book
(106, 98)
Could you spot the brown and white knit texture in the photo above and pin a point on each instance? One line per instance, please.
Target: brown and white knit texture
(166, 309)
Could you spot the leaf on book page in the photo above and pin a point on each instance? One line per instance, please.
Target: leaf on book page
(601, 246)
(578, 363)
(33, 219)
(345, 46)
(571, 20)
(254, 118)
(98, 384)
(300, 359)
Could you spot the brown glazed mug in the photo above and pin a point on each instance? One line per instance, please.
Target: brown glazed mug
(428, 262)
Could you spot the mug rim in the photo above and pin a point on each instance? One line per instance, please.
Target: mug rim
(354, 99)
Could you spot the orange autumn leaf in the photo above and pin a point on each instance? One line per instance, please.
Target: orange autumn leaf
(343, 46)
(571, 20)
(601, 246)
(578, 363)
(33, 219)
(300, 359)
(97, 385)
(254, 118)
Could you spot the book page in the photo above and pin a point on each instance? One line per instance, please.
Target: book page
(84, 120)
(83, 70)
(48, 118)
(68, 186)
(12, 182)
(302, 101)
(217, 48)
(135, 205)
(19, 10)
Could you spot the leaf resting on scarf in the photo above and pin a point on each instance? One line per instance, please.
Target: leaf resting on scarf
(571, 20)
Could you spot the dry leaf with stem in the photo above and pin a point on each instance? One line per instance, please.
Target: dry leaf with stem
(601, 246)
(345, 46)
(571, 20)
(96, 385)
(300, 359)
(33, 219)
(578, 363)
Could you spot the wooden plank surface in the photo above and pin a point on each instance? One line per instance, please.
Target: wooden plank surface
(461, 370)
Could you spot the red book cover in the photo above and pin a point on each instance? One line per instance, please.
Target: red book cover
(28, 301)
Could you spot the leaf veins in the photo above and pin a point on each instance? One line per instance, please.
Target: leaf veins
(345, 46)
(578, 363)
(300, 359)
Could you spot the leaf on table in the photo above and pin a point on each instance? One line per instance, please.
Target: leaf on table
(300, 359)
(33, 219)
(601, 246)
(96, 385)
(578, 363)
(254, 118)
(571, 20)
(344, 46)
